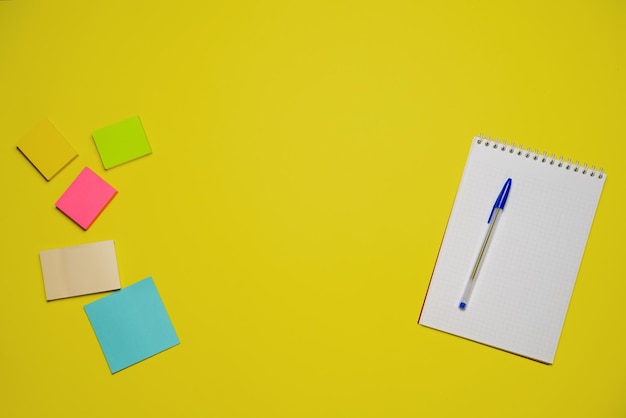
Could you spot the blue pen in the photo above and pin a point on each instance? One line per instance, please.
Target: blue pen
(498, 207)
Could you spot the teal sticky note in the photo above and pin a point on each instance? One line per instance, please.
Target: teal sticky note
(131, 325)
(121, 142)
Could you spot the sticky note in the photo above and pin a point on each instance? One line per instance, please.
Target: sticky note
(46, 149)
(121, 142)
(86, 198)
(79, 270)
(131, 325)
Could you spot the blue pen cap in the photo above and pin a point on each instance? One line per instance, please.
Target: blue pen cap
(501, 200)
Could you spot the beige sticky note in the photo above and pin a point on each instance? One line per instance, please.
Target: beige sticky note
(47, 149)
(79, 270)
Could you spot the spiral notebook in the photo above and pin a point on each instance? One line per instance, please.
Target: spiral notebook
(527, 275)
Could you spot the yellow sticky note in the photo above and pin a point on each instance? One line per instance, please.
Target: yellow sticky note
(47, 149)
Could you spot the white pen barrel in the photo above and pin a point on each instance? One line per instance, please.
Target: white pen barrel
(467, 293)
(479, 260)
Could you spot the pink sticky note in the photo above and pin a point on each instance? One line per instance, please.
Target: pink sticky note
(86, 198)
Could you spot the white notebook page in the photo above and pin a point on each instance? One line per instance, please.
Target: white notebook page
(526, 280)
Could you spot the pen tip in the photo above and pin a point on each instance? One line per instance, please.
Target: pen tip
(462, 305)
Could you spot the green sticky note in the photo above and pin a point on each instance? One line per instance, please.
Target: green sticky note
(121, 142)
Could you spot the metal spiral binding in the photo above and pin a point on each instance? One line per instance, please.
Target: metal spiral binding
(540, 157)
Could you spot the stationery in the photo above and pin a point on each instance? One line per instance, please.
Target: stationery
(121, 142)
(498, 207)
(526, 277)
(79, 270)
(86, 198)
(131, 325)
(46, 149)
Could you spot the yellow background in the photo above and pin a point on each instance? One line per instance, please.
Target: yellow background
(306, 155)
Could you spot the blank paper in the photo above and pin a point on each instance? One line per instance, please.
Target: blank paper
(79, 270)
(47, 149)
(86, 198)
(121, 142)
(131, 325)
